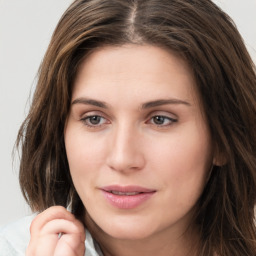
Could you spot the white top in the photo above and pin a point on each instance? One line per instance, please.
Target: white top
(14, 239)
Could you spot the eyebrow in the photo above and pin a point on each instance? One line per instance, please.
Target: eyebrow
(161, 102)
(146, 105)
(92, 102)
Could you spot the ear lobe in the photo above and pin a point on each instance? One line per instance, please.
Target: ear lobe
(220, 160)
(220, 157)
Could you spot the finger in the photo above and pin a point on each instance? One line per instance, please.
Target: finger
(55, 212)
(58, 226)
(44, 246)
(47, 241)
(70, 244)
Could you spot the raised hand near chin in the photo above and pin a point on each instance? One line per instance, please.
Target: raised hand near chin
(56, 232)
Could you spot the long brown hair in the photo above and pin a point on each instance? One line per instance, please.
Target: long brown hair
(207, 39)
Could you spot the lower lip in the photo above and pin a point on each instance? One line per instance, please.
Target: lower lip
(127, 202)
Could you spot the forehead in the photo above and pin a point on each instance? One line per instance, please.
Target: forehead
(134, 68)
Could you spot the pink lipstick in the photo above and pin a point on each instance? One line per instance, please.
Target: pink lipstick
(127, 197)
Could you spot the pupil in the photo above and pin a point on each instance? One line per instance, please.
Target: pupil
(159, 119)
(95, 119)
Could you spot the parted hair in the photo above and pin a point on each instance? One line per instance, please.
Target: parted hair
(207, 39)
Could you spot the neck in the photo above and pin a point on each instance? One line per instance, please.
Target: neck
(161, 244)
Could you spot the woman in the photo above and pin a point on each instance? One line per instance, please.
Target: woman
(143, 126)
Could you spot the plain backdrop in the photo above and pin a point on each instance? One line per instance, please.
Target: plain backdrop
(25, 31)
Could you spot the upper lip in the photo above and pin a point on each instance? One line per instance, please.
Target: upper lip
(126, 189)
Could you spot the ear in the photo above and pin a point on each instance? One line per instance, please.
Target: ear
(220, 158)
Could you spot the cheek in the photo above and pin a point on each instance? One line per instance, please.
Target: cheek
(83, 159)
(85, 153)
(183, 159)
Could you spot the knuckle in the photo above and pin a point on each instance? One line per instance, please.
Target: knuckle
(34, 225)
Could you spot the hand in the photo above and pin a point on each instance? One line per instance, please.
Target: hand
(56, 232)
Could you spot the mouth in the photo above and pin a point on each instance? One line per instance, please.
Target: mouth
(119, 193)
(127, 197)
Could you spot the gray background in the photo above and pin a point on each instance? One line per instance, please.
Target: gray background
(25, 30)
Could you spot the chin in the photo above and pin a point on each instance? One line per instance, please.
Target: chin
(130, 233)
(129, 228)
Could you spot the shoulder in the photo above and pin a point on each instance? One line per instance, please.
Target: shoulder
(14, 237)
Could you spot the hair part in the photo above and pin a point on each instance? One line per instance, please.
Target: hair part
(207, 39)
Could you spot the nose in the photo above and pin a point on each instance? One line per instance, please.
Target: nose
(126, 150)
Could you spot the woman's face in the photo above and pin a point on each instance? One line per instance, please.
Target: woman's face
(138, 147)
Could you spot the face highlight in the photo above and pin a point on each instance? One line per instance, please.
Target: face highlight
(138, 147)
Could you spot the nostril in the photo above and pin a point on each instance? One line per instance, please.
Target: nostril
(124, 162)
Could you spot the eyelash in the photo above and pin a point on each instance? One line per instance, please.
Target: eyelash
(88, 121)
(164, 119)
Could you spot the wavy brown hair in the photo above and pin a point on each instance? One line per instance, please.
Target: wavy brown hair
(208, 40)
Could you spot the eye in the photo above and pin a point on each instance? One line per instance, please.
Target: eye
(94, 120)
(161, 120)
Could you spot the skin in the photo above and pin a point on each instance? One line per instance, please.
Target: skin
(115, 135)
(142, 125)
(45, 230)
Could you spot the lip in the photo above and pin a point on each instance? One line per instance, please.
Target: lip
(127, 197)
